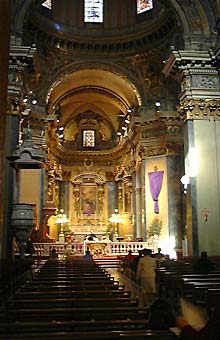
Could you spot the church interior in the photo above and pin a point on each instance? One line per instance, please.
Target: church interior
(110, 120)
(109, 169)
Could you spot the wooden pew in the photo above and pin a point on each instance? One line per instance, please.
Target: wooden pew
(118, 292)
(72, 326)
(60, 304)
(194, 286)
(97, 335)
(72, 302)
(75, 313)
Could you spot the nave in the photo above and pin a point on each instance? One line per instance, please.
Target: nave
(79, 299)
(76, 299)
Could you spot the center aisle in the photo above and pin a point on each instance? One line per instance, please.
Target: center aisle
(129, 285)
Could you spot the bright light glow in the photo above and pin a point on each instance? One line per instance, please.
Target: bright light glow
(119, 133)
(61, 128)
(34, 101)
(157, 104)
(124, 128)
(185, 181)
(127, 121)
(191, 162)
(61, 218)
(115, 218)
(144, 5)
(168, 246)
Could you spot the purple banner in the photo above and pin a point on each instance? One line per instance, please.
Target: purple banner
(155, 179)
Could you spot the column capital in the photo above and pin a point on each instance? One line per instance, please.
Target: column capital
(199, 109)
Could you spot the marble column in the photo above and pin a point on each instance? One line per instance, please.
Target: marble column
(138, 191)
(175, 169)
(5, 16)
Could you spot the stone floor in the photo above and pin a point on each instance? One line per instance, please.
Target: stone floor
(129, 284)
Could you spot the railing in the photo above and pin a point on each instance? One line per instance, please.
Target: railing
(96, 247)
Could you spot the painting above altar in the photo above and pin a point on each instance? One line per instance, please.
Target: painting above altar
(88, 196)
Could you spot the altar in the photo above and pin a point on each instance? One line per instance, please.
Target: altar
(98, 248)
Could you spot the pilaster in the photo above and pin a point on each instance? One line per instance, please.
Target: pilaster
(198, 74)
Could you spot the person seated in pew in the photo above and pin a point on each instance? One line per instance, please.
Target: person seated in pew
(159, 257)
(53, 254)
(161, 315)
(87, 255)
(203, 265)
(211, 330)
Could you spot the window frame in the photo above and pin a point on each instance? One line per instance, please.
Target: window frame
(85, 18)
(84, 137)
(144, 10)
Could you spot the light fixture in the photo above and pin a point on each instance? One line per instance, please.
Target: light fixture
(61, 136)
(34, 101)
(157, 104)
(25, 99)
(119, 133)
(127, 121)
(61, 219)
(116, 217)
(185, 181)
(61, 128)
(124, 128)
(129, 110)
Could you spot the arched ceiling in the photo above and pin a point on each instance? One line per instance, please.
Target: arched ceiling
(102, 93)
(91, 98)
(107, 92)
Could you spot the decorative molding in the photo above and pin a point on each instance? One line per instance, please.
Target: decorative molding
(108, 45)
(199, 109)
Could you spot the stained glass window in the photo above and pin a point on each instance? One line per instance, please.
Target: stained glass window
(144, 5)
(47, 4)
(88, 138)
(93, 10)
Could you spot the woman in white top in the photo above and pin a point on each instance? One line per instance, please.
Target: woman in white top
(146, 275)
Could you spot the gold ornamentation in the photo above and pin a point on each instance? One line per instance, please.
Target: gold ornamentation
(199, 109)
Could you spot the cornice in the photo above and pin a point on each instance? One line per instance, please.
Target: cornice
(182, 60)
(107, 46)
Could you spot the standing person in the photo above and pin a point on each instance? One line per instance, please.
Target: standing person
(146, 275)
(128, 260)
(135, 264)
